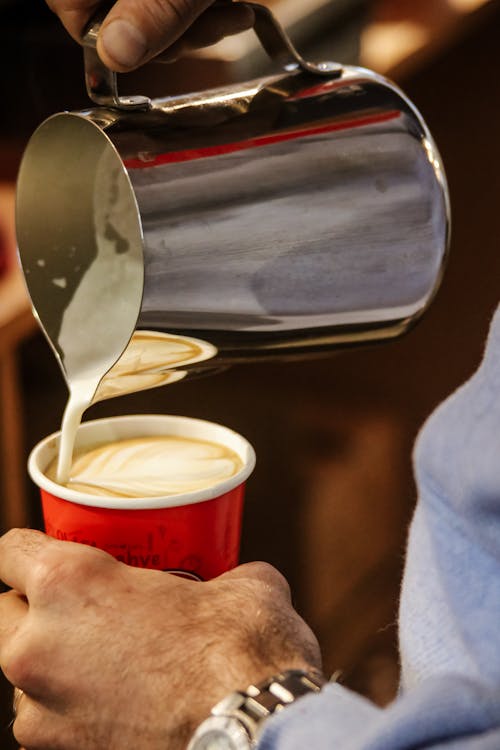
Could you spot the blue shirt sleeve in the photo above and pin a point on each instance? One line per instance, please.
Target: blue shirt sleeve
(449, 625)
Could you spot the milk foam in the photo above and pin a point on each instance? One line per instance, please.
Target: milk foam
(150, 467)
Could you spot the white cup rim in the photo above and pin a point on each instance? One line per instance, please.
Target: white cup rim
(151, 424)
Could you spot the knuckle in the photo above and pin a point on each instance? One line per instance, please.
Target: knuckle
(181, 11)
(61, 569)
(259, 580)
(15, 536)
(88, 560)
(260, 569)
(269, 575)
(97, 566)
(20, 666)
(46, 573)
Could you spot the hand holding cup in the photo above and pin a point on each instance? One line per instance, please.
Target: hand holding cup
(110, 656)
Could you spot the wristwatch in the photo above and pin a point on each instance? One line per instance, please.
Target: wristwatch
(235, 723)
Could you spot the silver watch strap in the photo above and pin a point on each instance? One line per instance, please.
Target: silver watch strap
(258, 702)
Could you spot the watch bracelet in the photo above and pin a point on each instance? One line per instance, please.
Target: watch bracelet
(268, 697)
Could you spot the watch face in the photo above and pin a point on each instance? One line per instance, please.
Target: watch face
(215, 740)
(220, 733)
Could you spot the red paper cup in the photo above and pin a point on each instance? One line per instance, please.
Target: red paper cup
(195, 534)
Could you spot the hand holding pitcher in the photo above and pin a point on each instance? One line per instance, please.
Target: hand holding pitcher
(134, 32)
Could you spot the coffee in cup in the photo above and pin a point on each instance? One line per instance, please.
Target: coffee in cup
(150, 466)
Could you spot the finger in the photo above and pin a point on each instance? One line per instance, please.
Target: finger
(134, 31)
(213, 25)
(263, 573)
(74, 14)
(13, 610)
(19, 550)
(37, 727)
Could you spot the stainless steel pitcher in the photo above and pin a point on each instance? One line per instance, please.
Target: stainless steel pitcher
(298, 212)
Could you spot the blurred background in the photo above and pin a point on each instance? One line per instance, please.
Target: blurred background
(332, 495)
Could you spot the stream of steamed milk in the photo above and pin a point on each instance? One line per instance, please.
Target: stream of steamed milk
(144, 364)
(78, 403)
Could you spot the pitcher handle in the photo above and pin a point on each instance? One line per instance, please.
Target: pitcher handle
(102, 83)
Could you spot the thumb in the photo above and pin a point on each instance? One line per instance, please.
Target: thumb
(134, 31)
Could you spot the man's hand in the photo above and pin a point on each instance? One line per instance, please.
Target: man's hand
(134, 31)
(117, 658)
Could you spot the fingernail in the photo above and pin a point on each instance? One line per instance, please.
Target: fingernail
(124, 43)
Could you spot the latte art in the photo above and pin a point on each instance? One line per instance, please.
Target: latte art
(150, 467)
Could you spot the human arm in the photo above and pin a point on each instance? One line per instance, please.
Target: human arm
(135, 31)
(450, 603)
(452, 577)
